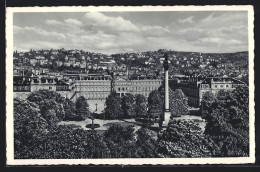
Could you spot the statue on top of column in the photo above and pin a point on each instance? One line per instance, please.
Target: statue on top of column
(166, 64)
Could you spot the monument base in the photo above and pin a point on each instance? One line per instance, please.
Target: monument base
(167, 115)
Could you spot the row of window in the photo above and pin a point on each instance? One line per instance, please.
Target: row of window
(96, 95)
(21, 88)
(96, 88)
(146, 94)
(139, 83)
(42, 88)
(222, 86)
(21, 96)
(84, 78)
(62, 88)
(94, 83)
(137, 88)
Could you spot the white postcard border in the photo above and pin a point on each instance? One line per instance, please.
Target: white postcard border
(125, 161)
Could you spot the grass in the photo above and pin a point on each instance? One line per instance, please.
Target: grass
(120, 123)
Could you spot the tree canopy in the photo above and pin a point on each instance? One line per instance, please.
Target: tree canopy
(140, 108)
(37, 135)
(185, 139)
(128, 105)
(48, 100)
(113, 108)
(82, 108)
(155, 104)
(228, 122)
(177, 100)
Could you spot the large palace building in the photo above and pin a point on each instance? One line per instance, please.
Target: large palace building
(98, 87)
(91, 86)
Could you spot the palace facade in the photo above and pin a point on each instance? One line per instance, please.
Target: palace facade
(91, 86)
(98, 87)
(194, 88)
(143, 87)
(23, 86)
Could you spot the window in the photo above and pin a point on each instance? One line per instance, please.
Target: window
(221, 86)
(216, 86)
(118, 89)
(227, 86)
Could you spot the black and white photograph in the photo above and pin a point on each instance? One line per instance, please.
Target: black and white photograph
(130, 85)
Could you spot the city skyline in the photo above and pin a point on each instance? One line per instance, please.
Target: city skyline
(122, 32)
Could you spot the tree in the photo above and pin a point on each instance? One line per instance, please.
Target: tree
(155, 104)
(178, 103)
(177, 100)
(119, 133)
(48, 100)
(29, 126)
(82, 107)
(50, 117)
(70, 109)
(148, 145)
(185, 139)
(207, 99)
(113, 108)
(128, 105)
(121, 142)
(63, 142)
(140, 105)
(228, 122)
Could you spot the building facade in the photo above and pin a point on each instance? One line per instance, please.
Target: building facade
(195, 88)
(91, 86)
(144, 86)
(23, 86)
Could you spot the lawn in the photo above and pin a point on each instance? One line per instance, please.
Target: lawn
(105, 124)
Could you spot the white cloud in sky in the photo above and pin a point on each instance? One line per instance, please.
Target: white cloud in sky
(53, 22)
(186, 20)
(100, 20)
(73, 22)
(98, 32)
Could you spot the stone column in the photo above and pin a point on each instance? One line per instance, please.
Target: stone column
(167, 113)
(166, 85)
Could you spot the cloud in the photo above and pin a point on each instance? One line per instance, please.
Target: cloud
(154, 30)
(27, 31)
(100, 20)
(111, 33)
(73, 22)
(216, 32)
(53, 22)
(186, 20)
(43, 32)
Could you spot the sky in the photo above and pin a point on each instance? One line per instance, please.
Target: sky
(120, 32)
